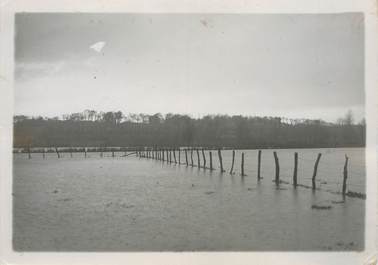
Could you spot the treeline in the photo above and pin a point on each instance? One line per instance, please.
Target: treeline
(91, 128)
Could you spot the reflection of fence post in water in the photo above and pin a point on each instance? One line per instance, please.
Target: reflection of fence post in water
(233, 160)
(315, 171)
(295, 169)
(211, 160)
(204, 159)
(259, 165)
(198, 159)
(242, 165)
(345, 174)
(220, 160)
(277, 163)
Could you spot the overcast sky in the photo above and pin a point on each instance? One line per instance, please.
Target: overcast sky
(300, 66)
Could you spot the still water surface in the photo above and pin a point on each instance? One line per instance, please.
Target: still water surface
(133, 204)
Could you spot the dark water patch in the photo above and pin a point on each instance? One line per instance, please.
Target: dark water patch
(321, 207)
(354, 194)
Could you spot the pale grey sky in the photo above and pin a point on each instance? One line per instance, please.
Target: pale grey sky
(300, 66)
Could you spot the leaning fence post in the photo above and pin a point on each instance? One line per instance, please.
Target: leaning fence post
(211, 160)
(233, 160)
(191, 156)
(345, 174)
(57, 152)
(186, 157)
(242, 165)
(315, 171)
(174, 155)
(277, 179)
(259, 165)
(220, 160)
(198, 159)
(295, 169)
(204, 159)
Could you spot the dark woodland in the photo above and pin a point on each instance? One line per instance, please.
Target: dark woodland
(107, 129)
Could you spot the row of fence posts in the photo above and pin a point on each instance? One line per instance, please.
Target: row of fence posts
(166, 155)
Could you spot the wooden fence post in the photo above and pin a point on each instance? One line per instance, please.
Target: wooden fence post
(186, 157)
(198, 159)
(259, 165)
(57, 152)
(29, 155)
(295, 169)
(179, 156)
(191, 156)
(85, 152)
(315, 171)
(233, 160)
(71, 151)
(277, 179)
(112, 152)
(204, 159)
(43, 154)
(174, 155)
(220, 160)
(242, 165)
(211, 160)
(345, 174)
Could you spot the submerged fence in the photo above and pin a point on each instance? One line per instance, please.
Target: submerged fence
(193, 159)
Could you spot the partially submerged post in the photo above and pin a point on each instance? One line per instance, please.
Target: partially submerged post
(71, 151)
(232, 163)
(211, 160)
(295, 169)
(345, 174)
(191, 157)
(242, 165)
(204, 159)
(277, 179)
(174, 155)
(57, 152)
(259, 165)
(29, 155)
(198, 159)
(186, 157)
(220, 160)
(85, 152)
(315, 171)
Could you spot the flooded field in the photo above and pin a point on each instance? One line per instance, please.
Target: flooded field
(138, 204)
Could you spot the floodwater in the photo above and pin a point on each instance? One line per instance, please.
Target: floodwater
(138, 204)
